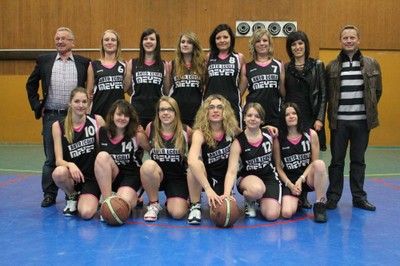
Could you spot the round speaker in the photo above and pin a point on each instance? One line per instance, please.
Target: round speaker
(258, 25)
(243, 28)
(289, 28)
(274, 28)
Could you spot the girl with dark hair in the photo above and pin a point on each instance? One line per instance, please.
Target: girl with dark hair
(296, 156)
(147, 77)
(223, 68)
(306, 86)
(117, 165)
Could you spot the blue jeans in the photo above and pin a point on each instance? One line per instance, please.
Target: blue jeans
(48, 185)
(357, 134)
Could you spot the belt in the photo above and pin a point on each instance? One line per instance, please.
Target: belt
(56, 112)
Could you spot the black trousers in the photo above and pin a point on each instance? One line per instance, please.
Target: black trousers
(357, 134)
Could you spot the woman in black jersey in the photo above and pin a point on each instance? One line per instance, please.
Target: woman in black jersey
(188, 71)
(117, 165)
(105, 82)
(257, 178)
(214, 130)
(166, 169)
(147, 77)
(296, 157)
(75, 141)
(223, 68)
(264, 77)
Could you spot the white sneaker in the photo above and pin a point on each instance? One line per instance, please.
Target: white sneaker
(152, 212)
(250, 209)
(71, 206)
(194, 217)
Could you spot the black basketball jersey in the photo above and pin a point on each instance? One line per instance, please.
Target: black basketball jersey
(223, 78)
(295, 155)
(264, 82)
(186, 91)
(169, 158)
(82, 151)
(109, 86)
(257, 160)
(124, 152)
(147, 83)
(216, 159)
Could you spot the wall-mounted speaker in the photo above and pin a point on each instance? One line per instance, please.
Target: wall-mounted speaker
(275, 28)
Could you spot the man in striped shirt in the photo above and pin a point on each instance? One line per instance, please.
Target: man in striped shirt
(354, 89)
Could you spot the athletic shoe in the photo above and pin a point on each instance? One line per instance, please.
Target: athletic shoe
(194, 217)
(71, 207)
(320, 212)
(250, 209)
(152, 212)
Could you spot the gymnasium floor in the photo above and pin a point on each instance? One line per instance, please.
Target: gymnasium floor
(31, 235)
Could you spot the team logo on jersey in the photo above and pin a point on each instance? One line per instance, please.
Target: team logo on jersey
(99, 71)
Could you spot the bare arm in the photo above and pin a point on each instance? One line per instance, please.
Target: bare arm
(167, 79)
(90, 85)
(233, 166)
(282, 89)
(75, 172)
(243, 83)
(197, 169)
(128, 79)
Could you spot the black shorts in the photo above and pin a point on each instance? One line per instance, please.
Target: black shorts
(89, 187)
(127, 179)
(305, 187)
(175, 187)
(217, 185)
(273, 186)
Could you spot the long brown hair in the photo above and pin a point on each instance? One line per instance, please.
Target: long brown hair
(179, 138)
(127, 109)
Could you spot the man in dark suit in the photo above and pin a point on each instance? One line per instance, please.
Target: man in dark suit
(59, 74)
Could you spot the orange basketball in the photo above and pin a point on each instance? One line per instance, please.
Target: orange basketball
(115, 210)
(226, 214)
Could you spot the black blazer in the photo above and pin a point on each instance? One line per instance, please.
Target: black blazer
(42, 72)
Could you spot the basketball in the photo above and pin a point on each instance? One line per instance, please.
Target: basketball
(115, 210)
(226, 214)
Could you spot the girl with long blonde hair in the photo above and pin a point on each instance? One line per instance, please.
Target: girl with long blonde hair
(166, 169)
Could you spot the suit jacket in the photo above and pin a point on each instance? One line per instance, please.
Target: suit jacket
(42, 72)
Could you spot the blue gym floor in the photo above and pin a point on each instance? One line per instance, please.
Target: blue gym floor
(31, 235)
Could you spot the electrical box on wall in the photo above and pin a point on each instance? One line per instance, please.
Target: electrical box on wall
(275, 28)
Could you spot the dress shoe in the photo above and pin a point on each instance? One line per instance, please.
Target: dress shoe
(331, 204)
(365, 205)
(304, 201)
(48, 201)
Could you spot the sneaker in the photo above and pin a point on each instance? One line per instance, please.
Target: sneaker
(71, 207)
(194, 217)
(152, 212)
(320, 212)
(250, 209)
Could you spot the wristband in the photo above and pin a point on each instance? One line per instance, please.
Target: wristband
(286, 182)
(304, 178)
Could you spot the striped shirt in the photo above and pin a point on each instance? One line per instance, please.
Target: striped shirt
(351, 103)
(64, 78)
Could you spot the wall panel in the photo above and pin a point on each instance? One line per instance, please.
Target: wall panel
(30, 24)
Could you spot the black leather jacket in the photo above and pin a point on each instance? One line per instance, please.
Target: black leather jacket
(317, 94)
